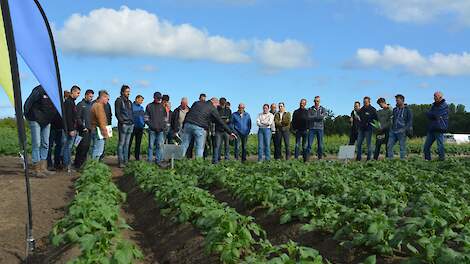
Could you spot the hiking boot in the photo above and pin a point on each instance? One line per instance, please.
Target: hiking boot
(121, 165)
(36, 171)
(43, 168)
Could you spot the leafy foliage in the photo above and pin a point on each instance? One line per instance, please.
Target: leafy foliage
(414, 208)
(236, 238)
(93, 221)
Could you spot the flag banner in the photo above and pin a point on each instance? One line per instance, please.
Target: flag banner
(10, 81)
(6, 81)
(33, 40)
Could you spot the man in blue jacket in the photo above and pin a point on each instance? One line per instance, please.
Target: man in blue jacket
(138, 114)
(402, 126)
(241, 122)
(438, 116)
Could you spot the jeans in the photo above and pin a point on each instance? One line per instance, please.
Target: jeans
(300, 136)
(430, 138)
(125, 132)
(169, 137)
(367, 135)
(39, 141)
(264, 144)
(156, 141)
(56, 141)
(379, 141)
(392, 140)
(98, 147)
(191, 131)
(68, 146)
(240, 139)
(221, 137)
(280, 136)
(137, 133)
(312, 133)
(82, 150)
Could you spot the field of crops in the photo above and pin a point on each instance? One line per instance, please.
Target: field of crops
(93, 221)
(389, 212)
(9, 144)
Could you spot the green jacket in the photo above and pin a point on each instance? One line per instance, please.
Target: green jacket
(284, 124)
(385, 118)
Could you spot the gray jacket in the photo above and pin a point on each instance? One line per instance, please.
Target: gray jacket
(316, 118)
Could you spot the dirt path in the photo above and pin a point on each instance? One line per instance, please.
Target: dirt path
(49, 198)
(161, 239)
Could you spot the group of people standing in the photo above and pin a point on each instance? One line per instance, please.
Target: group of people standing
(392, 125)
(208, 124)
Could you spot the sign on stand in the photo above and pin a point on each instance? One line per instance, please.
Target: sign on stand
(172, 152)
(347, 152)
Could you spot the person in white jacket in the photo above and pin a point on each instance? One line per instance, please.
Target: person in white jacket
(265, 122)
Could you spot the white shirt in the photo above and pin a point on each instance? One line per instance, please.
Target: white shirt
(266, 121)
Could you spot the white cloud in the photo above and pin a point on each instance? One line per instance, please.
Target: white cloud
(115, 81)
(148, 68)
(422, 11)
(143, 83)
(137, 32)
(412, 61)
(282, 55)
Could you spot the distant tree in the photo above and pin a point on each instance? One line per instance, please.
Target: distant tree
(460, 109)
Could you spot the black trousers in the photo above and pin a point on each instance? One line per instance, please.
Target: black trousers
(353, 135)
(82, 149)
(280, 136)
(137, 133)
(379, 141)
(55, 148)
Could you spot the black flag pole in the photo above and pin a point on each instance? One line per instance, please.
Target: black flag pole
(30, 242)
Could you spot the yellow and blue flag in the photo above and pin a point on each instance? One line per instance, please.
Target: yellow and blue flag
(6, 81)
(24, 28)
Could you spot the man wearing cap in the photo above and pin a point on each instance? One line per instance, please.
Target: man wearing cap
(155, 119)
(197, 123)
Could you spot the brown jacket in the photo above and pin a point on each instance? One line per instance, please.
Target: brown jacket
(98, 118)
(284, 124)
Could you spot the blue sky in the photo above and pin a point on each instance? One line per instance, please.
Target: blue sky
(263, 51)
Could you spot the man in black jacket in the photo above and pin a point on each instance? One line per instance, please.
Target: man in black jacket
(197, 123)
(300, 127)
(123, 112)
(83, 112)
(154, 117)
(354, 120)
(367, 115)
(40, 112)
(220, 135)
(73, 125)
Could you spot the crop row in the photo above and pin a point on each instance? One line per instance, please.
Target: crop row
(417, 209)
(93, 220)
(236, 238)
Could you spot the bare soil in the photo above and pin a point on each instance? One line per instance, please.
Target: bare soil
(50, 197)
